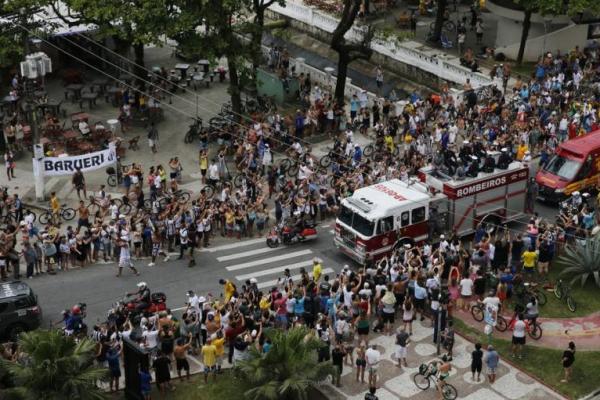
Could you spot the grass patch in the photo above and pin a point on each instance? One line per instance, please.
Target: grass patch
(545, 364)
(226, 387)
(586, 297)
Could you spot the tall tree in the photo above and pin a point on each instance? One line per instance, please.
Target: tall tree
(257, 29)
(439, 20)
(288, 371)
(54, 367)
(132, 23)
(348, 51)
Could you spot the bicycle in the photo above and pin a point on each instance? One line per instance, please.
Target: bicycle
(193, 132)
(181, 196)
(539, 295)
(11, 216)
(563, 291)
(426, 374)
(66, 213)
(446, 25)
(533, 328)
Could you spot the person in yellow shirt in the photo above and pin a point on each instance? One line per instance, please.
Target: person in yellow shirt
(388, 140)
(209, 359)
(55, 206)
(264, 303)
(529, 260)
(219, 344)
(521, 151)
(203, 165)
(229, 289)
(317, 269)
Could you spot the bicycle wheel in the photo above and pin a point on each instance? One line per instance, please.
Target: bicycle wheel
(124, 209)
(541, 297)
(238, 180)
(293, 171)
(189, 137)
(477, 313)
(368, 151)
(571, 304)
(112, 180)
(421, 381)
(535, 332)
(449, 26)
(67, 214)
(432, 26)
(209, 190)
(183, 197)
(45, 217)
(501, 324)
(558, 291)
(285, 165)
(449, 392)
(325, 161)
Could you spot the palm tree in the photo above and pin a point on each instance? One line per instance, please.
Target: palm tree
(581, 262)
(288, 371)
(54, 367)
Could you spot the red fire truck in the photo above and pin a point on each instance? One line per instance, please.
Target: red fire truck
(378, 218)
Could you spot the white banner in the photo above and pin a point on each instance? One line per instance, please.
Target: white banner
(57, 166)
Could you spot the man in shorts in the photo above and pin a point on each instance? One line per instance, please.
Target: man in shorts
(372, 356)
(180, 352)
(209, 359)
(156, 251)
(402, 341)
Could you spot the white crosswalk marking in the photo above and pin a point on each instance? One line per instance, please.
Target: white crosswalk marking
(245, 254)
(231, 246)
(271, 283)
(274, 270)
(263, 261)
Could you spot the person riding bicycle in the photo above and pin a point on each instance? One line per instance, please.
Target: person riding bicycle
(441, 369)
(531, 310)
(143, 297)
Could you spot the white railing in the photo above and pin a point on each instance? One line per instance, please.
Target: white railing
(449, 69)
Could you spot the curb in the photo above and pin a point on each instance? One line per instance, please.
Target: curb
(512, 364)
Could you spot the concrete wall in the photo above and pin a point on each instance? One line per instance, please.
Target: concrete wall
(411, 59)
(563, 39)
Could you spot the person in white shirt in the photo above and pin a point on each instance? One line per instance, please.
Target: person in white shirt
(84, 128)
(466, 291)
(518, 337)
(373, 357)
(213, 173)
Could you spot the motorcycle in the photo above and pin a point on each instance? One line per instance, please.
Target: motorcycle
(126, 307)
(287, 235)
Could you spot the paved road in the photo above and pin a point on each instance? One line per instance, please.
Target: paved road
(97, 285)
(230, 259)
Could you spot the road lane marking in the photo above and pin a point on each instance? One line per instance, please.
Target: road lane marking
(246, 254)
(282, 257)
(233, 245)
(271, 283)
(274, 270)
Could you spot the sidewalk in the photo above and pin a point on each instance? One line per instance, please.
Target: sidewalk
(557, 332)
(397, 383)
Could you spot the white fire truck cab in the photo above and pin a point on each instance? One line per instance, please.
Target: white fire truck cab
(378, 218)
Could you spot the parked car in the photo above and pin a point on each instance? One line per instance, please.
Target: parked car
(19, 309)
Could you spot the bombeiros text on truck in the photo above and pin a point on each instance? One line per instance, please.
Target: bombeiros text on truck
(377, 219)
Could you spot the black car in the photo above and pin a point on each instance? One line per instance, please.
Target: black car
(19, 309)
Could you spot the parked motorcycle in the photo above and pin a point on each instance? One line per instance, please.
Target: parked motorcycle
(287, 235)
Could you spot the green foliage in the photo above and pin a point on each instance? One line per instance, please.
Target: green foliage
(288, 371)
(581, 262)
(54, 367)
